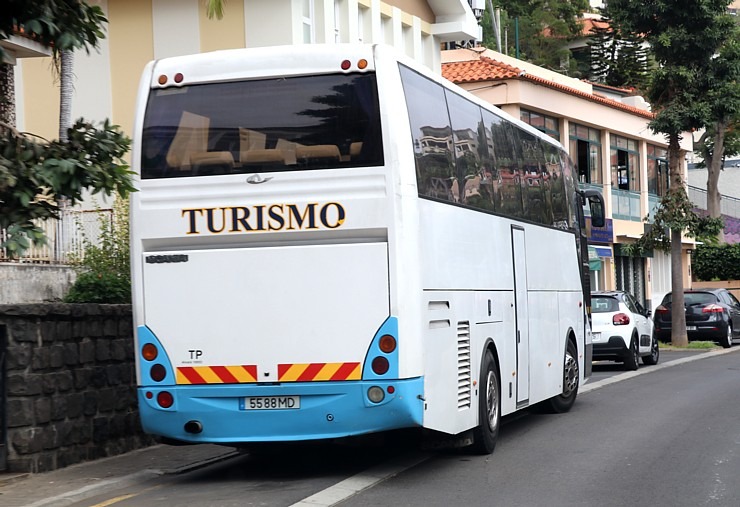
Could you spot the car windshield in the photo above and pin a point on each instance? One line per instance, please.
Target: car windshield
(604, 304)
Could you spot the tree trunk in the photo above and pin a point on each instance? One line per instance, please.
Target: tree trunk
(714, 166)
(66, 88)
(7, 94)
(678, 316)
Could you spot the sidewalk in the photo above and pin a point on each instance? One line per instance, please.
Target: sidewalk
(85, 480)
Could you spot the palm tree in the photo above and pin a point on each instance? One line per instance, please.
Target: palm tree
(65, 64)
(215, 8)
(7, 94)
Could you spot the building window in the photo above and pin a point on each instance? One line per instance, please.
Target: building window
(657, 170)
(585, 150)
(542, 122)
(307, 20)
(625, 163)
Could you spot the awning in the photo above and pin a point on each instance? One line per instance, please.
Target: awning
(604, 251)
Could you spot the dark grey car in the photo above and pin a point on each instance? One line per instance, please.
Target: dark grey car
(711, 314)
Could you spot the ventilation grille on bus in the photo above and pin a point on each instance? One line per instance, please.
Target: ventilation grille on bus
(463, 365)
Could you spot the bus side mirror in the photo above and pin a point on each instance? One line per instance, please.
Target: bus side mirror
(596, 203)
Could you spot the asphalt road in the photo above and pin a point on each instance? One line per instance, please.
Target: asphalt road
(661, 436)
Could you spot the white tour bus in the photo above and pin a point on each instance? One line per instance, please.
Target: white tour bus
(332, 241)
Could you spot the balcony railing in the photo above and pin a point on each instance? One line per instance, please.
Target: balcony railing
(65, 237)
(626, 205)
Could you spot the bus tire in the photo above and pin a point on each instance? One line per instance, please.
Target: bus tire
(564, 401)
(485, 434)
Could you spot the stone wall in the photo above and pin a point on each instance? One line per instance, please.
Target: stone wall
(70, 384)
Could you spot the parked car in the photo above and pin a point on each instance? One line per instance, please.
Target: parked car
(622, 330)
(711, 314)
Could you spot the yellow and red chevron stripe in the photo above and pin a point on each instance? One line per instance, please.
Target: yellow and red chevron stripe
(318, 371)
(217, 374)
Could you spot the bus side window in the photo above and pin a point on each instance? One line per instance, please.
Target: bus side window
(431, 134)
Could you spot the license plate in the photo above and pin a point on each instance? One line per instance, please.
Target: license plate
(272, 402)
(690, 328)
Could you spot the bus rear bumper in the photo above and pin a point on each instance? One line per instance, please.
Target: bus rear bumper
(327, 410)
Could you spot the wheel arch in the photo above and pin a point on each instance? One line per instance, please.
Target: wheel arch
(490, 345)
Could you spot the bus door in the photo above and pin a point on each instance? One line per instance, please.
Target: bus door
(521, 309)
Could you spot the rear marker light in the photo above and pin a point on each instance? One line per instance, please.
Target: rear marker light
(157, 373)
(178, 77)
(346, 64)
(375, 394)
(380, 365)
(391, 389)
(387, 344)
(362, 64)
(165, 399)
(149, 352)
(149, 395)
(162, 79)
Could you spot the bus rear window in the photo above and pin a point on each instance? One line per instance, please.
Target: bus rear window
(285, 124)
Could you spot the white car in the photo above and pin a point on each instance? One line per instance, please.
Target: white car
(622, 330)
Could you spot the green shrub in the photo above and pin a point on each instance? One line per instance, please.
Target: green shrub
(103, 271)
(718, 262)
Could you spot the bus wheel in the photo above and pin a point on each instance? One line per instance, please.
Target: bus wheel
(489, 407)
(562, 402)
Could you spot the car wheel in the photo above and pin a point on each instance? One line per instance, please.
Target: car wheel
(563, 402)
(632, 360)
(654, 353)
(726, 342)
(489, 408)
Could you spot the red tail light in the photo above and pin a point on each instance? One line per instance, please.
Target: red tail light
(165, 399)
(380, 365)
(157, 372)
(712, 309)
(661, 309)
(621, 319)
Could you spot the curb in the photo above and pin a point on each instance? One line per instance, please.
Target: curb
(199, 464)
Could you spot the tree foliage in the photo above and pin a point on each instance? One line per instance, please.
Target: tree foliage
(545, 26)
(617, 59)
(684, 37)
(35, 173)
(675, 213)
(722, 135)
(59, 24)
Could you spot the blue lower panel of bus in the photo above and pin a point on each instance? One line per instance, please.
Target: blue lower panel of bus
(326, 410)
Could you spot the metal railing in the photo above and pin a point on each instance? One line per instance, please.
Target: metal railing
(65, 237)
(728, 205)
(626, 205)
